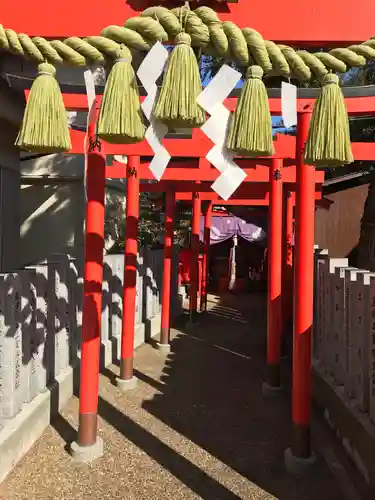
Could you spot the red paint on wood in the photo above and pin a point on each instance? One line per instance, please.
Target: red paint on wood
(256, 173)
(206, 252)
(287, 284)
(130, 268)
(259, 198)
(274, 264)
(200, 145)
(355, 105)
(303, 289)
(167, 268)
(310, 23)
(195, 229)
(92, 298)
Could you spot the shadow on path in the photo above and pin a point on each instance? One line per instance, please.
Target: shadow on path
(212, 395)
(197, 426)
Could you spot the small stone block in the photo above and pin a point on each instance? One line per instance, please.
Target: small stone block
(296, 465)
(126, 385)
(271, 391)
(87, 454)
(164, 348)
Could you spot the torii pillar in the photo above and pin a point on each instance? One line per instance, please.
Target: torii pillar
(206, 253)
(274, 305)
(89, 445)
(164, 345)
(287, 301)
(299, 456)
(195, 228)
(127, 380)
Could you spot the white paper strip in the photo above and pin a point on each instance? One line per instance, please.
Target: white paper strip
(90, 91)
(211, 100)
(219, 88)
(121, 159)
(91, 100)
(228, 182)
(213, 127)
(289, 104)
(220, 158)
(148, 73)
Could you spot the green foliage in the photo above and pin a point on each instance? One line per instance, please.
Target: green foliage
(151, 221)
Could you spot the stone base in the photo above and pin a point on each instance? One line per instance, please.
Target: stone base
(87, 454)
(271, 391)
(126, 385)
(296, 465)
(164, 348)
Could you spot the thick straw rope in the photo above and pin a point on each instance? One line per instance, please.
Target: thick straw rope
(243, 46)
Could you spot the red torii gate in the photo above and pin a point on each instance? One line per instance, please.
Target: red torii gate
(199, 172)
(353, 23)
(286, 207)
(260, 172)
(248, 194)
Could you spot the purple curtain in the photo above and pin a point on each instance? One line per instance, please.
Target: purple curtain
(250, 232)
(223, 228)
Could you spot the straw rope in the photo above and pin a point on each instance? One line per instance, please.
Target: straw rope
(223, 39)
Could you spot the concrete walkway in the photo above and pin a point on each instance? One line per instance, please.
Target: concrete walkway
(196, 427)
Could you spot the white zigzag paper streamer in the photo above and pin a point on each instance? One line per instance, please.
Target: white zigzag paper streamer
(211, 100)
(148, 73)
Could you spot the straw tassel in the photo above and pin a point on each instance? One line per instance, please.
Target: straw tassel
(45, 127)
(328, 141)
(176, 105)
(250, 126)
(120, 117)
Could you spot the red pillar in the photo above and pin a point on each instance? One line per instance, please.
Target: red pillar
(194, 255)
(167, 272)
(88, 445)
(206, 251)
(303, 299)
(127, 379)
(274, 307)
(287, 287)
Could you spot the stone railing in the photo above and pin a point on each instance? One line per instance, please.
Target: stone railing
(40, 333)
(344, 355)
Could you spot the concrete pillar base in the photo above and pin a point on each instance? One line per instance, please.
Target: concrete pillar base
(164, 348)
(296, 465)
(126, 385)
(87, 454)
(271, 391)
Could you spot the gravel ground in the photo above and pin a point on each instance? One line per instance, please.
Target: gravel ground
(197, 426)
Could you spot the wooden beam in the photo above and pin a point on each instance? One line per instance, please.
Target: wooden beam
(260, 200)
(257, 174)
(246, 190)
(364, 105)
(200, 144)
(196, 147)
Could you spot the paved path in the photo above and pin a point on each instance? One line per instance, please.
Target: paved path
(196, 427)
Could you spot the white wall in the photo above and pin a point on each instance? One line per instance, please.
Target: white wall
(52, 207)
(51, 220)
